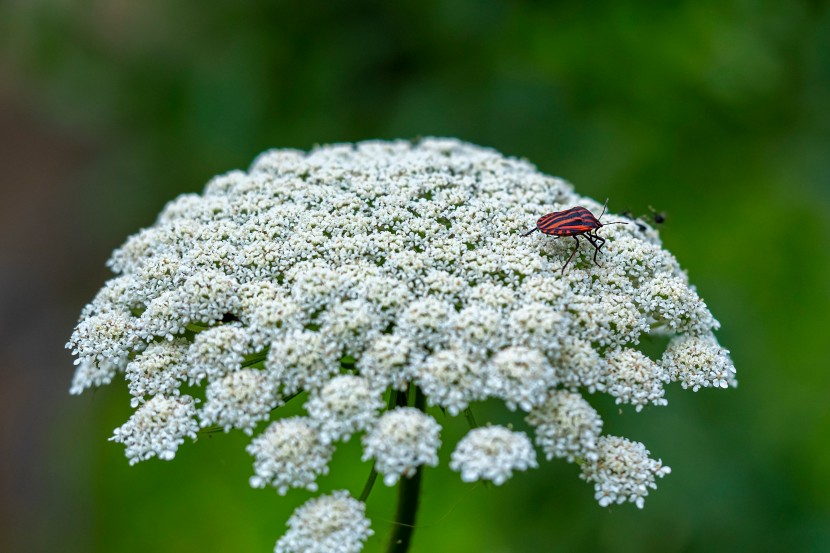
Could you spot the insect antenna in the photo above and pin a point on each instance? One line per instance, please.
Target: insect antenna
(531, 232)
(603, 209)
(603, 213)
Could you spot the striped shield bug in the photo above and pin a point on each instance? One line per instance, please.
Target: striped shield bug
(576, 221)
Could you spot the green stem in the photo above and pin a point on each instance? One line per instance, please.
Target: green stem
(255, 358)
(286, 400)
(394, 396)
(471, 420)
(409, 495)
(393, 399)
(370, 482)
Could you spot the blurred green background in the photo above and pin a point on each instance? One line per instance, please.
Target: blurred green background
(714, 111)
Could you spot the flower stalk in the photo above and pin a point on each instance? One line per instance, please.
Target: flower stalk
(409, 497)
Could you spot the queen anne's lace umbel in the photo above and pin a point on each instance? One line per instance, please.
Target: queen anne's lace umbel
(398, 264)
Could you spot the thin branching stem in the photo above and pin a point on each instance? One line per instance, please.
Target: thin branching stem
(370, 482)
(471, 420)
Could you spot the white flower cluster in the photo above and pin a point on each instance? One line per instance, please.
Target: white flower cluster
(634, 378)
(698, 361)
(622, 472)
(346, 404)
(289, 454)
(566, 426)
(333, 523)
(492, 453)
(158, 428)
(402, 440)
(353, 269)
(158, 370)
(239, 400)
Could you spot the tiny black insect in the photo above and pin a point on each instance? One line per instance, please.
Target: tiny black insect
(657, 217)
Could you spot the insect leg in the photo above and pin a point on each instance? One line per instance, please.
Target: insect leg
(601, 241)
(576, 247)
(592, 239)
(601, 245)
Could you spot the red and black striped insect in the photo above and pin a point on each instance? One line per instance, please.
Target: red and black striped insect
(576, 221)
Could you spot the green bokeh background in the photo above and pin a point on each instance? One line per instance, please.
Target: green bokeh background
(714, 111)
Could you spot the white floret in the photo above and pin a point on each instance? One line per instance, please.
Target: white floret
(159, 369)
(580, 365)
(217, 351)
(521, 377)
(452, 380)
(388, 361)
(672, 302)
(635, 379)
(302, 360)
(102, 344)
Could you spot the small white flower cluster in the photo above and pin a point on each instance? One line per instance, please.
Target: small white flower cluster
(346, 404)
(622, 472)
(635, 379)
(216, 352)
(521, 377)
(566, 426)
(333, 523)
(158, 370)
(402, 440)
(158, 428)
(240, 399)
(353, 269)
(492, 453)
(289, 454)
(698, 361)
